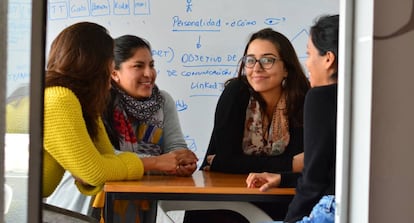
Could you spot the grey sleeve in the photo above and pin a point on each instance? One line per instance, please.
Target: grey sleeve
(173, 137)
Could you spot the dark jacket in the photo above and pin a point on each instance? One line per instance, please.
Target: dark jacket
(318, 176)
(227, 136)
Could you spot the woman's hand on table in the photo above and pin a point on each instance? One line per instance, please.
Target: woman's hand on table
(210, 159)
(186, 162)
(186, 170)
(170, 162)
(263, 181)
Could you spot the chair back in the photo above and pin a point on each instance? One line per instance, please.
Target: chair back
(53, 214)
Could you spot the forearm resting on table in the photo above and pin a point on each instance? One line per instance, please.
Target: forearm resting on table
(150, 163)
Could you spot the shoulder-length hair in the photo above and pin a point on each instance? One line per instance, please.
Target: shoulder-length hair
(80, 59)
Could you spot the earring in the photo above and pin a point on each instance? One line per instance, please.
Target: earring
(284, 82)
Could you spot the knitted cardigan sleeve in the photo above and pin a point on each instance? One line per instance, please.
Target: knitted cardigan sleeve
(173, 137)
(67, 146)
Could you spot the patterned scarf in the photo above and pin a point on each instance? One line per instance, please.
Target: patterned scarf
(262, 139)
(142, 110)
(139, 122)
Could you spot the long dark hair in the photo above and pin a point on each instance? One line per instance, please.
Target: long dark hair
(79, 59)
(296, 83)
(125, 47)
(325, 36)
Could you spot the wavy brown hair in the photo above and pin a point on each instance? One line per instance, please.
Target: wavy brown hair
(80, 59)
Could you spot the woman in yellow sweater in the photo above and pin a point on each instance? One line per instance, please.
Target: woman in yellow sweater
(77, 85)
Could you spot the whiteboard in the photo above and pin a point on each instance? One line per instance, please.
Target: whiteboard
(196, 44)
(18, 44)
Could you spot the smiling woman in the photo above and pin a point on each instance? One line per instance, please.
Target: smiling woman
(143, 119)
(258, 122)
(140, 118)
(134, 21)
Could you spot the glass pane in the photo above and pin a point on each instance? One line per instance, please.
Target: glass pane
(17, 109)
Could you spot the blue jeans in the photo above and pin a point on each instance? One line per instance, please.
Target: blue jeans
(322, 212)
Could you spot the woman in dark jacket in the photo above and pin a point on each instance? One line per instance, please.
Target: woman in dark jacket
(258, 122)
(317, 182)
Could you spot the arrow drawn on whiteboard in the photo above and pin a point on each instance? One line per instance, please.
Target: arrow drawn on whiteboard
(302, 32)
(198, 45)
(299, 41)
(274, 21)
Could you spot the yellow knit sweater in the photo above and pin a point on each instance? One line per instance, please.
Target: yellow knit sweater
(67, 146)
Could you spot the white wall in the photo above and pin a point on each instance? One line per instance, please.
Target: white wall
(391, 194)
(379, 80)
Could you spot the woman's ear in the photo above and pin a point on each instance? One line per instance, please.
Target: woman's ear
(114, 75)
(330, 59)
